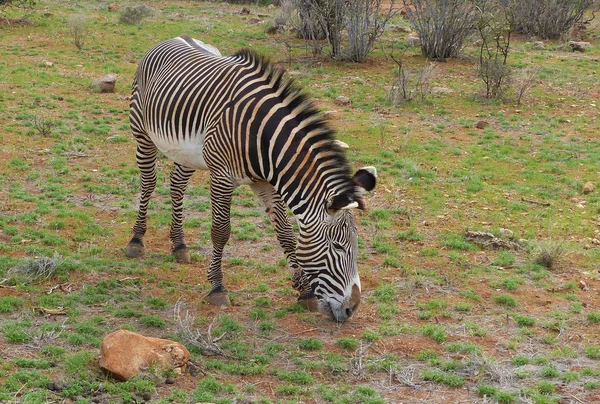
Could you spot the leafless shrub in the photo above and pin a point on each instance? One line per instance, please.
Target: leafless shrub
(78, 27)
(27, 6)
(364, 21)
(41, 338)
(546, 19)
(495, 33)
(191, 335)
(350, 27)
(525, 82)
(43, 125)
(408, 84)
(135, 13)
(38, 269)
(442, 25)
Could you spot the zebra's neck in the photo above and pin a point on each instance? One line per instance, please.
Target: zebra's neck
(285, 140)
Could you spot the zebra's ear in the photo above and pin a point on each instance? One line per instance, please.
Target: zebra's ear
(341, 202)
(365, 179)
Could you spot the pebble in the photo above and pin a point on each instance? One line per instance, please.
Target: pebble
(170, 380)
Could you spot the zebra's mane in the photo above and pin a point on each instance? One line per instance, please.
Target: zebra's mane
(287, 87)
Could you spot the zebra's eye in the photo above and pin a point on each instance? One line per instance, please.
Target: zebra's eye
(337, 246)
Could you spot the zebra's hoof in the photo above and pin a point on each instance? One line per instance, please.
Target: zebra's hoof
(219, 299)
(309, 303)
(135, 249)
(182, 254)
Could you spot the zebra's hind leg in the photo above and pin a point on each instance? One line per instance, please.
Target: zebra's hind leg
(277, 212)
(146, 161)
(180, 177)
(221, 191)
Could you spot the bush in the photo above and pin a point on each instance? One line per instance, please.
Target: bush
(135, 13)
(442, 25)
(410, 83)
(547, 19)
(78, 28)
(350, 27)
(24, 5)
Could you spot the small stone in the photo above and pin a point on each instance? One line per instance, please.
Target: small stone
(441, 90)
(254, 21)
(583, 285)
(170, 380)
(595, 241)
(343, 100)
(114, 7)
(506, 233)
(245, 11)
(482, 124)
(105, 84)
(579, 46)
(588, 187)
(50, 386)
(272, 30)
(147, 396)
(413, 40)
(538, 45)
(48, 64)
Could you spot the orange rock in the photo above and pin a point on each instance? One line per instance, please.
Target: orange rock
(588, 187)
(124, 354)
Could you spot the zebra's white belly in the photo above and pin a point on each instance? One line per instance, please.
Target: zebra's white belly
(188, 153)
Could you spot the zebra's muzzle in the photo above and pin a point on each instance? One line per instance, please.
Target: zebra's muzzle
(341, 311)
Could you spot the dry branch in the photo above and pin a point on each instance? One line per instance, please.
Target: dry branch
(490, 241)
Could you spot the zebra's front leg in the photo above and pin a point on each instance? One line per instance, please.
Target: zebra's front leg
(180, 177)
(221, 191)
(146, 162)
(277, 212)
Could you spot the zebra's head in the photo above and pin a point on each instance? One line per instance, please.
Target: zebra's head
(329, 254)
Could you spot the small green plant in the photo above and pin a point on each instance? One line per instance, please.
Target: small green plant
(157, 303)
(436, 332)
(410, 235)
(486, 390)
(441, 377)
(592, 351)
(9, 304)
(134, 13)
(463, 347)
(593, 317)
(311, 344)
(349, 343)
(523, 321)
(520, 360)
(258, 314)
(505, 300)
(549, 372)
(370, 335)
(153, 321)
(505, 397)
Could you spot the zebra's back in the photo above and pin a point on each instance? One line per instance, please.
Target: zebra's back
(180, 88)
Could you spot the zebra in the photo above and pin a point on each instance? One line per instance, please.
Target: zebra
(237, 117)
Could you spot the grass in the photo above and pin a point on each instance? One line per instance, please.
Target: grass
(69, 189)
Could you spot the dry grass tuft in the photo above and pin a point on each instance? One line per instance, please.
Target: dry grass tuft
(38, 269)
(548, 254)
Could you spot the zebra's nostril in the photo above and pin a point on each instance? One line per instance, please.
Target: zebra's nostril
(349, 312)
